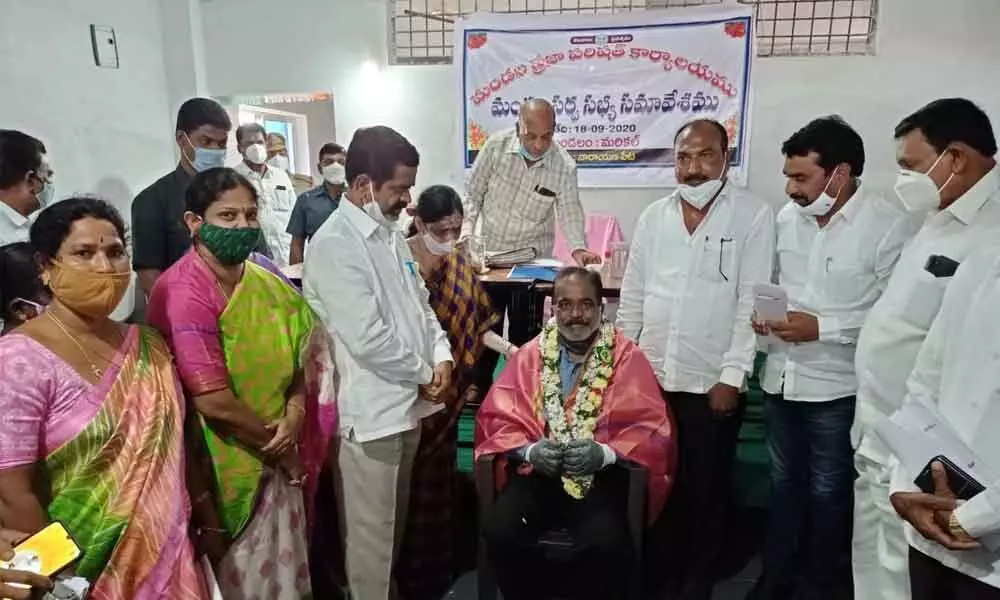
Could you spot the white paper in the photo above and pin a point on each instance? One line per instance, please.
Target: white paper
(915, 433)
(770, 303)
(546, 262)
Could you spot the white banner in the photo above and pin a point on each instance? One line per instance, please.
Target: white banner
(622, 85)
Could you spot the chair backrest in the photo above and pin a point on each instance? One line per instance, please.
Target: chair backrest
(603, 230)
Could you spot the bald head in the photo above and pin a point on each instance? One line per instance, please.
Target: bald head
(536, 127)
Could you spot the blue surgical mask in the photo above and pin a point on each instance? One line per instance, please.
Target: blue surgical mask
(528, 155)
(206, 158)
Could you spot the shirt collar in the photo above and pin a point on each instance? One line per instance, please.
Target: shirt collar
(358, 218)
(965, 208)
(18, 220)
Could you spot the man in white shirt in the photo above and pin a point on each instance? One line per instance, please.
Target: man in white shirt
(25, 183)
(837, 244)
(956, 377)
(274, 188)
(393, 359)
(686, 299)
(947, 171)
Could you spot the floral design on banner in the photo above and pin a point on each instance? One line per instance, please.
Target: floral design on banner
(736, 29)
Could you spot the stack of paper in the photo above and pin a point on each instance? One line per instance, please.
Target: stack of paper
(510, 258)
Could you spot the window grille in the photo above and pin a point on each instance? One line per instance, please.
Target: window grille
(422, 30)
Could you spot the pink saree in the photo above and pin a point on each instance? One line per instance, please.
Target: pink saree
(634, 420)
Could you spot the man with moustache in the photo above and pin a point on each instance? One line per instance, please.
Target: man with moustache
(585, 372)
(837, 244)
(393, 359)
(686, 299)
(26, 183)
(949, 177)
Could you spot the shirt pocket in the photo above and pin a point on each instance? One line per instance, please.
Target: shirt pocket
(924, 300)
(846, 280)
(717, 259)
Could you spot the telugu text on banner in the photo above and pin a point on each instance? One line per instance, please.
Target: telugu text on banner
(621, 85)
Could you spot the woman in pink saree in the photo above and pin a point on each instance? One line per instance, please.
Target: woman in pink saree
(92, 428)
(256, 365)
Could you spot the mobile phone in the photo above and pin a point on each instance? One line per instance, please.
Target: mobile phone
(47, 552)
(941, 266)
(960, 482)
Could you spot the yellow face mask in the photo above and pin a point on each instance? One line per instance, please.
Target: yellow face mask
(87, 293)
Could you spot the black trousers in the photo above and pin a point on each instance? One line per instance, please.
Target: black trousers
(525, 309)
(699, 505)
(532, 504)
(930, 580)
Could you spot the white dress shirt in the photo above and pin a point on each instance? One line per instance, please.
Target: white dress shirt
(836, 273)
(687, 297)
(277, 199)
(14, 226)
(957, 374)
(503, 193)
(899, 321)
(363, 283)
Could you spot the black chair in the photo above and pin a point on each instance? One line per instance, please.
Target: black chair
(559, 542)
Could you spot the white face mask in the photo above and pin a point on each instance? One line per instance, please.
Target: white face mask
(334, 174)
(279, 161)
(917, 191)
(822, 205)
(373, 210)
(438, 248)
(256, 154)
(700, 195)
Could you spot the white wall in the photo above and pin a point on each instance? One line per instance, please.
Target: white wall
(321, 128)
(925, 51)
(108, 130)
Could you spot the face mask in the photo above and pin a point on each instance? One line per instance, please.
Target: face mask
(334, 174)
(917, 191)
(528, 156)
(230, 245)
(373, 210)
(93, 295)
(256, 154)
(820, 206)
(279, 161)
(206, 158)
(580, 346)
(700, 195)
(438, 248)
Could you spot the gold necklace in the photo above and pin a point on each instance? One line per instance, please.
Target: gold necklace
(99, 373)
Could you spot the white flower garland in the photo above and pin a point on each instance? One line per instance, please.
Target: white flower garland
(577, 422)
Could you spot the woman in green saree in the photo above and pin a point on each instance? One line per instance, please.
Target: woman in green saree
(253, 360)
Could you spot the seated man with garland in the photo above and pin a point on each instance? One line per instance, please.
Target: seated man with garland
(570, 406)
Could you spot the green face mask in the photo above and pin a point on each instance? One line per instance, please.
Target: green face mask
(229, 245)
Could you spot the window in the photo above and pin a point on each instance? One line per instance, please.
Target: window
(810, 27)
(422, 30)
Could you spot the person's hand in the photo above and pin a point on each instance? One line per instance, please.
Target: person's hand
(291, 465)
(583, 457)
(286, 431)
(441, 382)
(35, 582)
(759, 327)
(930, 514)
(546, 457)
(509, 350)
(723, 400)
(800, 327)
(213, 543)
(584, 257)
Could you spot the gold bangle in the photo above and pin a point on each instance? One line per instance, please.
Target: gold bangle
(955, 527)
